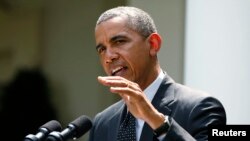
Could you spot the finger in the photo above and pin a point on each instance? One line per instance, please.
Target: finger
(123, 90)
(125, 97)
(111, 77)
(113, 82)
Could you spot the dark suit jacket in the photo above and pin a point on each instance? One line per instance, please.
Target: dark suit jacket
(190, 111)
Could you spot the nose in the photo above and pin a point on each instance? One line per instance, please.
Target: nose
(111, 55)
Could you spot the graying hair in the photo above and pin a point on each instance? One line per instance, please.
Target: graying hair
(138, 20)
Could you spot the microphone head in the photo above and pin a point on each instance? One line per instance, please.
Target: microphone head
(52, 125)
(82, 125)
(44, 130)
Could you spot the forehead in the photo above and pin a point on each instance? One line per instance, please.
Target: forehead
(116, 19)
(112, 26)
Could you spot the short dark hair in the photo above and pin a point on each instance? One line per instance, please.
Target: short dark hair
(138, 20)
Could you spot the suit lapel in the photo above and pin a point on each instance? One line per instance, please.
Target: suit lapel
(161, 101)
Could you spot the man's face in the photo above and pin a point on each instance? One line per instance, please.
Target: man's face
(122, 51)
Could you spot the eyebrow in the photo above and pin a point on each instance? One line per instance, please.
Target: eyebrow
(117, 37)
(113, 39)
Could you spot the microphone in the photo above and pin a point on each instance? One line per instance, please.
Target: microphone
(44, 130)
(74, 130)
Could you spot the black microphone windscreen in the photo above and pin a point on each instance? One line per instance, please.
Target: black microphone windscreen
(52, 125)
(82, 124)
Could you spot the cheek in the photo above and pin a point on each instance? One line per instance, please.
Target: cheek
(140, 62)
(103, 64)
(106, 70)
(134, 63)
(102, 59)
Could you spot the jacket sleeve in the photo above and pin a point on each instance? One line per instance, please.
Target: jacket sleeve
(207, 112)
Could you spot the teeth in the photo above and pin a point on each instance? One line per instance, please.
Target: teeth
(115, 70)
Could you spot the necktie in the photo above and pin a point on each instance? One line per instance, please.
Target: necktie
(127, 131)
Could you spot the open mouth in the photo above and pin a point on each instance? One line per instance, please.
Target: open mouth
(118, 70)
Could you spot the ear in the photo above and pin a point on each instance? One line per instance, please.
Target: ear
(155, 43)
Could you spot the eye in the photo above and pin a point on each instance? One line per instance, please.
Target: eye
(101, 49)
(120, 41)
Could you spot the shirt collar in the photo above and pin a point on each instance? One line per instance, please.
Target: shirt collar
(150, 91)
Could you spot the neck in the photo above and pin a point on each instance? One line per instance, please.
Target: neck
(152, 76)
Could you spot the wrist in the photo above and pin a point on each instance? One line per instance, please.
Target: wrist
(155, 120)
(163, 128)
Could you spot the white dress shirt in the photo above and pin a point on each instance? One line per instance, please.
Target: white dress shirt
(150, 92)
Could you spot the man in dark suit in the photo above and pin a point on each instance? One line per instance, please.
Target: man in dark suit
(127, 43)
